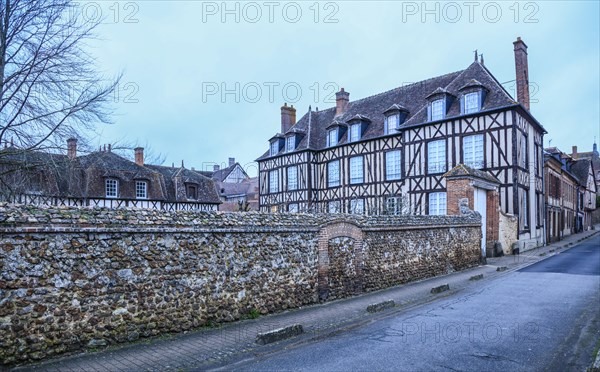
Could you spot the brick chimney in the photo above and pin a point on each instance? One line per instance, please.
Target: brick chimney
(341, 102)
(574, 154)
(231, 161)
(522, 72)
(288, 117)
(72, 148)
(139, 155)
(216, 168)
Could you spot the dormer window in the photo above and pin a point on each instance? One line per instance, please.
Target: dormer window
(439, 102)
(391, 124)
(471, 102)
(191, 191)
(111, 187)
(394, 117)
(438, 109)
(473, 96)
(332, 137)
(355, 132)
(274, 148)
(290, 143)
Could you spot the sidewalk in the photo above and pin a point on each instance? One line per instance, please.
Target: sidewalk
(208, 348)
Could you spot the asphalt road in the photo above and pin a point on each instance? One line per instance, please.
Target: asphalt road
(545, 317)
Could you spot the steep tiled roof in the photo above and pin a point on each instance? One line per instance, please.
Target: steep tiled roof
(412, 97)
(171, 175)
(580, 168)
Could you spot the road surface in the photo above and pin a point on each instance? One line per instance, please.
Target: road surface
(543, 317)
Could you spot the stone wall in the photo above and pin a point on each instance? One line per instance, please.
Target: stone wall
(76, 278)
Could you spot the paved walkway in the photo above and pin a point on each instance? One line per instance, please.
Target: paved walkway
(210, 348)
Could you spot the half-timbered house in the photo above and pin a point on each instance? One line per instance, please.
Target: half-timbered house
(388, 153)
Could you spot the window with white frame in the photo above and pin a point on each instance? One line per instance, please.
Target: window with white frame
(391, 124)
(141, 190)
(334, 207)
(356, 170)
(523, 155)
(471, 102)
(437, 204)
(393, 166)
(332, 137)
(523, 210)
(290, 144)
(111, 187)
(436, 156)
(292, 178)
(274, 148)
(293, 208)
(355, 132)
(393, 205)
(273, 181)
(333, 173)
(437, 109)
(357, 206)
(473, 151)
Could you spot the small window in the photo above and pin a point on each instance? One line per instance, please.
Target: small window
(391, 124)
(141, 190)
(292, 178)
(356, 170)
(333, 173)
(355, 132)
(191, 192)
(523, 154)
(332, 137)
(293, 208)
(438, 110)
(471, 102)
(334, 207)
(274, 148)
(111, 188)
(357, 206)
(273, 181)
(290, 144)
(437, 204)
(473, 151)
(523, 209)
(436, 157)
(393, 205)
(393, 167)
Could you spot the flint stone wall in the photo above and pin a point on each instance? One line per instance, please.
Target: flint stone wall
(73, 278)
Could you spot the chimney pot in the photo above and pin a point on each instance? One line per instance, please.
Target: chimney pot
(288, 117)
(231, 161)
(341, 102)
(139, 155)
(522, 72)
(574, 154)
(72, 148)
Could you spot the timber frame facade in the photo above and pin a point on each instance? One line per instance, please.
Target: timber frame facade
(509, 143)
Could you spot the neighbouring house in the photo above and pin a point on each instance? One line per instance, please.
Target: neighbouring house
(594, 156)
(583, 169)
(238, 191)
(101, 178)
(390, 152)
(561, 195)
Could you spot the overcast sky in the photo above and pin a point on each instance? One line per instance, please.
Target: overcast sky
(179, 57)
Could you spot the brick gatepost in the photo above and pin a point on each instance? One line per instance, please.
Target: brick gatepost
(461, 182)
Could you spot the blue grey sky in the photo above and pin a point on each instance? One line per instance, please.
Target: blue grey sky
(179, 57)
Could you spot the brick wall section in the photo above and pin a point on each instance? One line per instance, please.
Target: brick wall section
(457, 189)
(73, 277)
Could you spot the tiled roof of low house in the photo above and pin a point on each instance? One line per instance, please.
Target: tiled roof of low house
(411, 97)
(580, 168)
(462, 170)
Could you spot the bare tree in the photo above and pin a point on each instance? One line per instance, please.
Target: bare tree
(50, 88)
